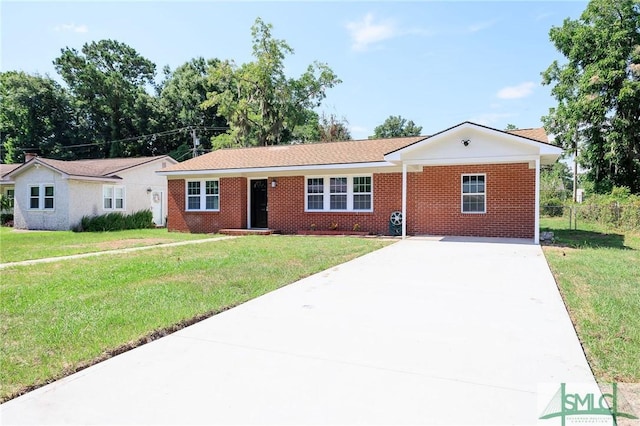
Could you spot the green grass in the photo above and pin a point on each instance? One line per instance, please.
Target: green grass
(598, 273)
(16, 245)
(58, 317)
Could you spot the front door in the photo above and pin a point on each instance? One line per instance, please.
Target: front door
(156, 208)
(259, 203)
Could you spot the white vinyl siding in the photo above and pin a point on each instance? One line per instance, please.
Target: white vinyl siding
(474, 198)
(339, 193)
(203, 195)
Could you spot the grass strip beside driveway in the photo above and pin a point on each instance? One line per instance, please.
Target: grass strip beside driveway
(56, 317)
(598, 273)
(16, 245)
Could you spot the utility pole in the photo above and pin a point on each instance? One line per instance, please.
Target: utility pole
(575, 166)
(196, 143)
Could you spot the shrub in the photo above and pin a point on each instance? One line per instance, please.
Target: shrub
(6, 219)
(116, 222)
(551, 207)
(618, 209)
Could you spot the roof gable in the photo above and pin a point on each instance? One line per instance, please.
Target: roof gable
(473, 143)
(96, 168)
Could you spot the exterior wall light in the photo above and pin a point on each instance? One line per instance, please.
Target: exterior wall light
(274, 183)
(465, 142)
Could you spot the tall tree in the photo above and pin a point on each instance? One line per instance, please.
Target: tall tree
(598, 91)
(181, 95)
(109, 81)
(36, 113)
(261, 104)
(396, 126)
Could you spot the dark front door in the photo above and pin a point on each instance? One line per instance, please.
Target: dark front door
(259, 203)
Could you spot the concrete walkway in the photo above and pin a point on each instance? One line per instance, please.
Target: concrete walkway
(116, 251)
(420, 332)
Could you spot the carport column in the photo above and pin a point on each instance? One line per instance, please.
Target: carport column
(404, 200)
(536, 231)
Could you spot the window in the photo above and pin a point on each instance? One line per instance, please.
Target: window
(473, 194)
(113, 197)
(339, 193)
(203, 195)
(41, 197)
(11, 194)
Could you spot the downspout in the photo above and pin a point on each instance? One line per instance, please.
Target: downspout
(536, 231)
(404, 200)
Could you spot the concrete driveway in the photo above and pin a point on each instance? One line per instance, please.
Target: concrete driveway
(425, 331)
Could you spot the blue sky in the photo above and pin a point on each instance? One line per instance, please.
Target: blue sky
(436, 63)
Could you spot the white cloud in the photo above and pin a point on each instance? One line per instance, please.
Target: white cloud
(516, 92)
(359, 132)
(366, 32)
(72, 28)
(479, 26)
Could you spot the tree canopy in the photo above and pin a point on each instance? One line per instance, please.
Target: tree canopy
(111, 105)
(598, 91)
(261, 104)
(396, 126)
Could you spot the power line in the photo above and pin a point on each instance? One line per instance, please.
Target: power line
(150, 135)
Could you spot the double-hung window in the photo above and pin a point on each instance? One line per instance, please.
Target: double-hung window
(339, 193)
(113, 197)
(203, 195)
(41, 197)
(474, 194)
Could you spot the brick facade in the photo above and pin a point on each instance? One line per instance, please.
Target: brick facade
(433, 204)
(232, 214)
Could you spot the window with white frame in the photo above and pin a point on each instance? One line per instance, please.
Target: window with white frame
(203, 195)
(339, 193)
(41, 197)
(113, 197)
(473, 193)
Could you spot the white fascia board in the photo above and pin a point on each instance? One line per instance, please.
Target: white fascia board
(267, 170)
(473, 160)
(92, 179)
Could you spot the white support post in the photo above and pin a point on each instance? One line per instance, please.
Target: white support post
(404, 200)
(536, 231)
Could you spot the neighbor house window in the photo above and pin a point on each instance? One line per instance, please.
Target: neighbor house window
(203, 195)
(11, 194)
(339, 193)
(473, 193)
(41, 197)
(113, 197)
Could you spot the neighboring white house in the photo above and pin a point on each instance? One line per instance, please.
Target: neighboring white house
(7, 186)
(55, 194)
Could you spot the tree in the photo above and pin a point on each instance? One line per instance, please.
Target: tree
(510, 127)
(396, 126)
(109, 80)
(333, 129)
(35, 112)
(261, 104)
(598, 92)
(181, 95)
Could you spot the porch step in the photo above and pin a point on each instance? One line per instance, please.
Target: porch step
(246, 231)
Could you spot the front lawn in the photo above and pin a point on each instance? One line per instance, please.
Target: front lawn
(17, 245)
(598, 273)
(58, 317)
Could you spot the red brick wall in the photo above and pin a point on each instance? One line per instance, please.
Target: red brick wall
(286, 207)
(434, 204)
(232, 214)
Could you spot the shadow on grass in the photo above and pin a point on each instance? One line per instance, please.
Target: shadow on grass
(586, 239)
